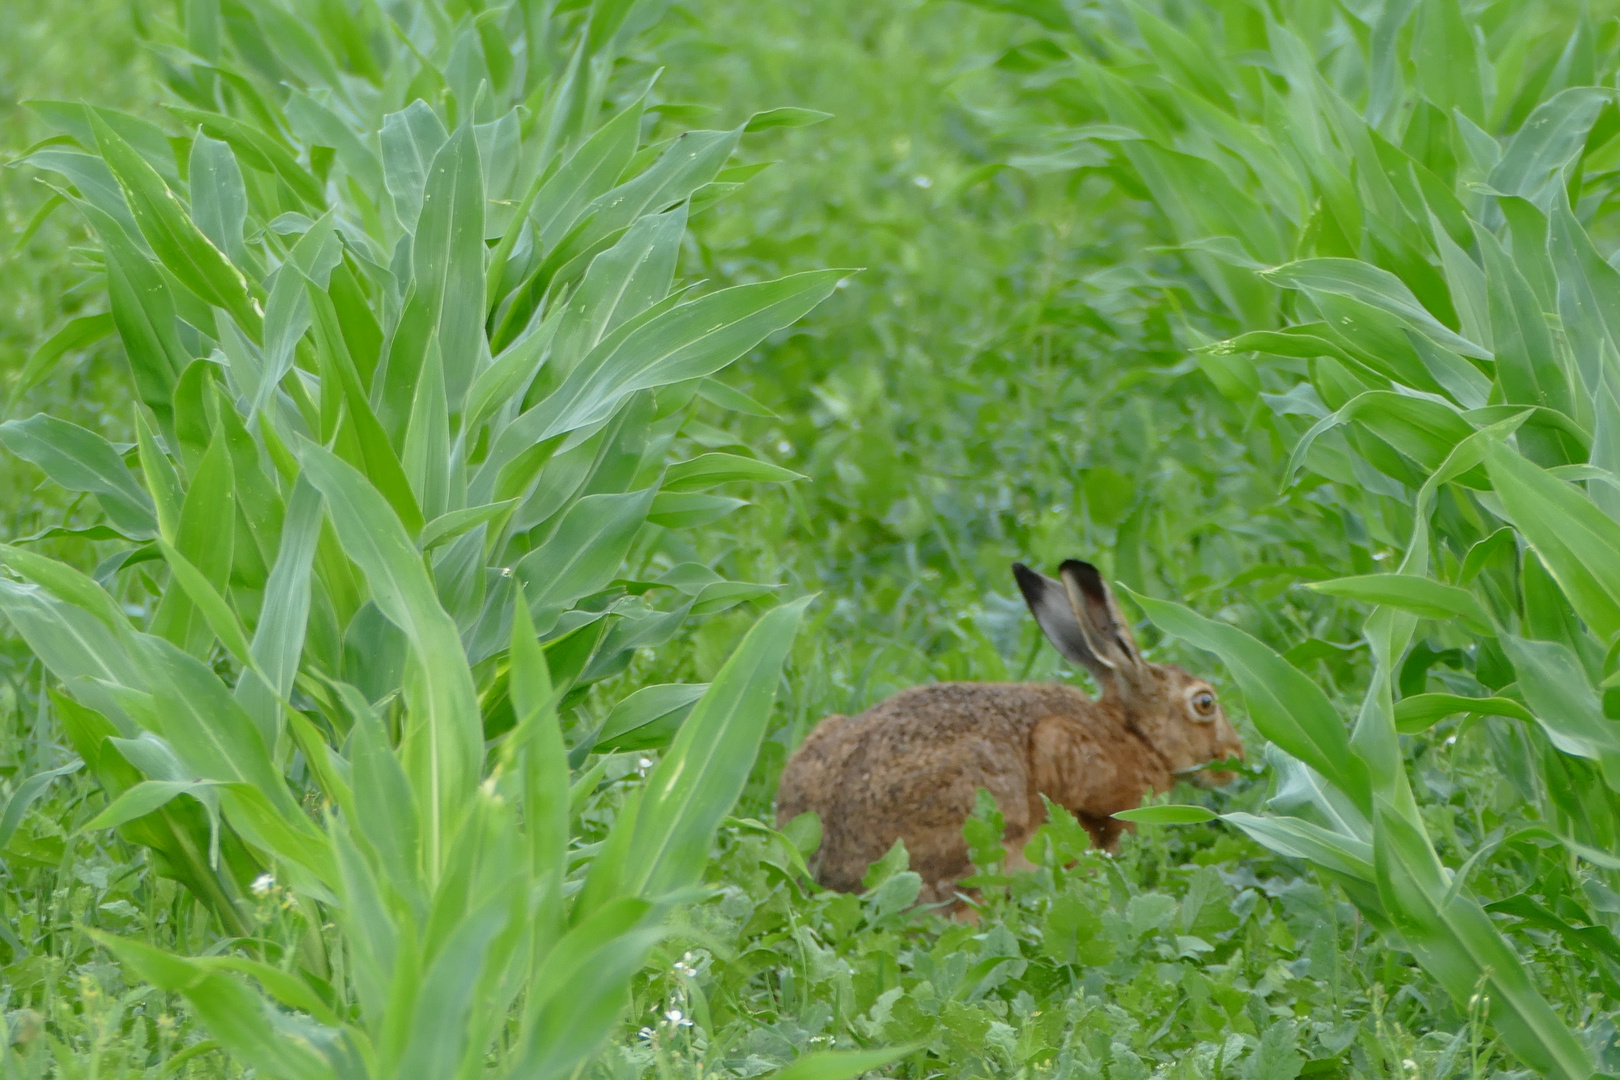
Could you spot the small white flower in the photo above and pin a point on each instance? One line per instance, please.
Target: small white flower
(922, 182)
(646, 1034)
(677, 1018)
(506, 571)
(263, 884)
(784, 447)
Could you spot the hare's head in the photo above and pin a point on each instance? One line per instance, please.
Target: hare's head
(1177, 713)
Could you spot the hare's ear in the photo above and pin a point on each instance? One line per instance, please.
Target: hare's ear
(1048, 601)
(1107, 633)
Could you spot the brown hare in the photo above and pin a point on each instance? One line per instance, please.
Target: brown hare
(909, 767)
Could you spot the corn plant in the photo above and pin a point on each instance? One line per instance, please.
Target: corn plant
(1388, 220)
(413, 396)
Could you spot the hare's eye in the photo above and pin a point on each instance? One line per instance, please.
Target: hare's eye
(1203, 702)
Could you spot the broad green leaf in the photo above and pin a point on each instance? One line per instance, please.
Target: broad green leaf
(1554, 133)
(219, 200)
(707, 470)
(1371, 285)
(318, 125)
(147, 796)
(1424, 430)
(588, 173)
(384, 813)
(259, 150)
(842, 1064)
(410, 140)
(426, 455)
(583, 553)
(686, 510)
(700, 777)
(81, 460)
(1579, 544)
(1301, 791)
(175, 239)
(278, 639)
(287, 311)
(447, 262)
(1458, 945)
(213, 737)
(649, 717)
(1420, 712)
(620, 283)
(442, 745)
(79, 333)
(242, 1021)
(71, 586)
(1167, 815)
(206, 542)
(145, 137)
(439, 1027)
(78, 648)
(1445, 60)
(375, 452)
(1588, 296)
(537, 735)
(1564, 702)
(161, 478)
(26, 793)
(99, 194)
(510, 374)
(787, 116)
(686, 342)
(584, 989)
(729, 397)
(447, 527)
(1528, 367)
(1302, 839)
(1422, 596)
(213, 608)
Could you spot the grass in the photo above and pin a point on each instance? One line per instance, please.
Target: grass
(1010, 377)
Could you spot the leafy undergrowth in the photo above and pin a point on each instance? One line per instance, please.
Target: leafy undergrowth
(1173, 958)
(1004, 381)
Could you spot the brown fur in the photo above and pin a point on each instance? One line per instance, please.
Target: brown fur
(909, 766)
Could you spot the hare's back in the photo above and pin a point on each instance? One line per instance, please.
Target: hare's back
(940, 712)
(916, 728)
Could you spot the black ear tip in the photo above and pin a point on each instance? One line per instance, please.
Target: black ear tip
(1087, 575)
(1029, 582)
